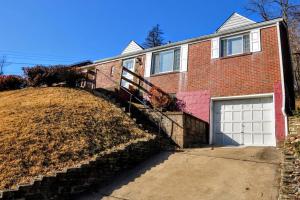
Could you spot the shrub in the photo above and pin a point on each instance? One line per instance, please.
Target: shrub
(176, 105)
(73, 77)
(11, 82)
(42, 75)
(158, 99)
(35, 75)
(161, 100)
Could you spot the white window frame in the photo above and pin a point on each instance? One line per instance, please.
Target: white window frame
(234, 37)
(168, 50)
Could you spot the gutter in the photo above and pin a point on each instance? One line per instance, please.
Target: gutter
(282, 80)
(193, 40)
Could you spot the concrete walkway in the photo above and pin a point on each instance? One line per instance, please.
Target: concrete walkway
(222, 173)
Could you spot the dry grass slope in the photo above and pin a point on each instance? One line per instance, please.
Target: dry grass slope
(46, 129)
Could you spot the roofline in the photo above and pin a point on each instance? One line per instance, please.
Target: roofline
(231, 16)
(192, 40)
(129, 43)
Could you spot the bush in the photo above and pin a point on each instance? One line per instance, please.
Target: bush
(11, 82)
(35, 75)
(161, 100)
(158, 99)
(42, 75)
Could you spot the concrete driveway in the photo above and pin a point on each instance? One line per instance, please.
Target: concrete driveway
(223, 173)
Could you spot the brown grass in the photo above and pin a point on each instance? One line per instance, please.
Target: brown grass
(47, 129)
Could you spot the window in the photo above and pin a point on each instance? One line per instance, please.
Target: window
(166, 61)
(235, 45)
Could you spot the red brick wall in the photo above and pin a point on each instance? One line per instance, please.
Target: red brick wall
(279, 118)
(240, 75)
(252, 73)
(106, 79)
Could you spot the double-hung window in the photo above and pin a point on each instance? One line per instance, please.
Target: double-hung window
(235, 45)
(166, 61)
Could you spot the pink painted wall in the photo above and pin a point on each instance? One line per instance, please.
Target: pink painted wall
(279, 124)
(197, 103)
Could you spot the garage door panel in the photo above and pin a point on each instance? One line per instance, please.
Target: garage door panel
(247, 127)
(237, 127)
(236, 116)
(227, 127)
(237, 138)
(237, 106)
(257, 127)
(257, 138)
(247, 115)
(267, 115)
(257, 114)
(244, 121)
(268, 139)
(247, 106)
(267, 127)
(227, 116)
(227, 106)
(247, 138)
(227, 139)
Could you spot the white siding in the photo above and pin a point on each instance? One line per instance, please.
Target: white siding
(235, 21)
(132, 47)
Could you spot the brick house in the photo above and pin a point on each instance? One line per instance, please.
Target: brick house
(238, 79)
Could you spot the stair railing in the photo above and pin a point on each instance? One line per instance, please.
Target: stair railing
(154, 110)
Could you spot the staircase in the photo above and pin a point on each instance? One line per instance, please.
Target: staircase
(181, 129)
(135, 111)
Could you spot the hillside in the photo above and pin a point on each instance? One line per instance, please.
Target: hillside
(46, 129)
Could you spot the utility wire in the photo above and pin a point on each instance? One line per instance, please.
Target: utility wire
(34, 54)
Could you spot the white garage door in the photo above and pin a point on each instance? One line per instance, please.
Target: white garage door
(244, 122)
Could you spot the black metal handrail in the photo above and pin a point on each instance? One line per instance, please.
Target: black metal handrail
(140, 80)
(132, 96)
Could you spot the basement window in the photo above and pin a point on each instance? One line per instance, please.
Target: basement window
(235, 45)
(166, 61)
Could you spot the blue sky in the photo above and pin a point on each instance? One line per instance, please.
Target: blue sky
(68, 31)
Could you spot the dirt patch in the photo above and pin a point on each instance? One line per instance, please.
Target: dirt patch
(267, 154)
(47, 129)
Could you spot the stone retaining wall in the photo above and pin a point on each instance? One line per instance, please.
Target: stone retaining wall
(185, 129)
(294, 125)
(98, 170)
(290, 174)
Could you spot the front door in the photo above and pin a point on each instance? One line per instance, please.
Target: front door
(129, 64)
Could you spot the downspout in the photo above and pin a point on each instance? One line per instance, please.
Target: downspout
(282, 80)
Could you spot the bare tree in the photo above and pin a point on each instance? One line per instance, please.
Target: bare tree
(289, 10)
(261, 7)
(2, 63)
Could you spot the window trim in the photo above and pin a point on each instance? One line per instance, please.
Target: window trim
(235, 37)
(232, 37)
(166, 50)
